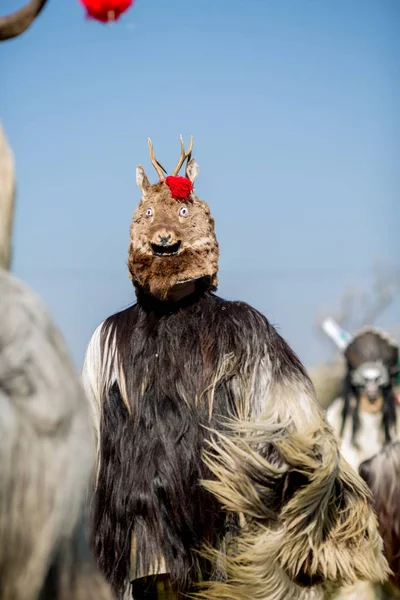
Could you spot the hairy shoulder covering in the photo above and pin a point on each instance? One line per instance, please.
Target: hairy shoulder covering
(46, 458)
(309, 526)
(382, 475)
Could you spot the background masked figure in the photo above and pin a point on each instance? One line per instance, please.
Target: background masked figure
(368, 414)
(367, 417)
(217, 470)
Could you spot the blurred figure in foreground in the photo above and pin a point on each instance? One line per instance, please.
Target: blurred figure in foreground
(382, 475)
(46, 459)
(45, 434)
(367, 416)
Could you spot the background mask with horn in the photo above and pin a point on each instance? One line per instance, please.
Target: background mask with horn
(372, 366)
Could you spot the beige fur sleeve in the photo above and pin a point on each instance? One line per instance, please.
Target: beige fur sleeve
(309, 522)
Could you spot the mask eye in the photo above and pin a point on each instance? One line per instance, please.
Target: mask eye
(149, 212)
(183, 212)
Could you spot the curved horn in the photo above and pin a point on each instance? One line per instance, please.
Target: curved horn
(15, 24)
(184, 155)
(158, 166)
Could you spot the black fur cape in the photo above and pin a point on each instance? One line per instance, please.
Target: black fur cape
(168, 380)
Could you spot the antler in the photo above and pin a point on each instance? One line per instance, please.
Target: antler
(184, 155)
(13, 25)
(158, 166)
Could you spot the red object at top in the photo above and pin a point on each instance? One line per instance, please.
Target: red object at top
(105, 10)
(181, 187)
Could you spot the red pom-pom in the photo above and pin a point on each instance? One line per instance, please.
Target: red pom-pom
(106, 10)
(181, 187)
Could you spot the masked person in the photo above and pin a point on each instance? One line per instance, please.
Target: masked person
(217, 471)
(367, 415)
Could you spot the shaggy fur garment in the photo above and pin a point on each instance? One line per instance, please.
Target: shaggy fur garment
(46, 459)
(382, 475)
(206, 390)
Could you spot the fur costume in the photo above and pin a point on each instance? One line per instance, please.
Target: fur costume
(372, 365)
(216, 465)
(46, 459)
(382, 475)
(46, 447)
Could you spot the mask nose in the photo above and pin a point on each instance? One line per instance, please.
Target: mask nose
(372, 390)
(164, 239)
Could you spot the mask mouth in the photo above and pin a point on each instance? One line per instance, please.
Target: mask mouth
(165, 250)
(372, 391)
(191, 279)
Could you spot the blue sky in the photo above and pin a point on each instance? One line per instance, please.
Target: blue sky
(294, 107)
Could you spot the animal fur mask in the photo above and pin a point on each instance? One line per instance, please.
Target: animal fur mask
(172, 238)
(372, 358)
